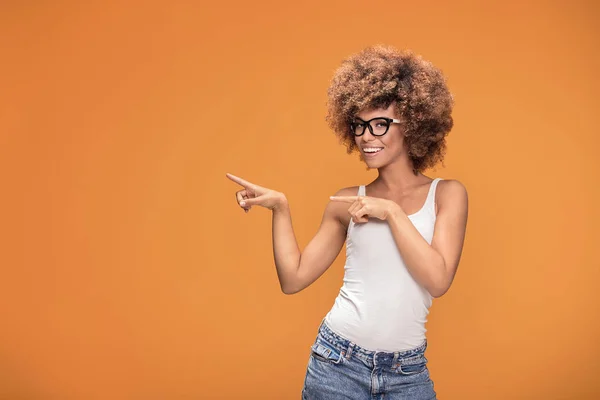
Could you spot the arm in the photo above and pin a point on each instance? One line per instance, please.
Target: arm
(435, 265)
(297, 270)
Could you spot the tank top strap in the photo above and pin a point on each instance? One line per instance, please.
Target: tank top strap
(430, 201)
(361, 190)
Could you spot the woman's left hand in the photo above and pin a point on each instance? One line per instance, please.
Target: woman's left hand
(365, 207)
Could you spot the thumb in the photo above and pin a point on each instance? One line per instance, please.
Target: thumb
(251, 201)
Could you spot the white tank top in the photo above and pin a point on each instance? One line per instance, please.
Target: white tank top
(380, 307)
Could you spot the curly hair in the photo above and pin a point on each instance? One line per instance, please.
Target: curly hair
(381, 75)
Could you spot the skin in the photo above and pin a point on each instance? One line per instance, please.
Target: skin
(394, 195)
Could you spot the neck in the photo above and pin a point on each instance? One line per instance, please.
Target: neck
(398, 177)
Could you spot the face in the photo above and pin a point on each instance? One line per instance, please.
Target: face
(379, 151)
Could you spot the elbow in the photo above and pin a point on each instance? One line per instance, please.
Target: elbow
(292, 285)
(438, 286)
(437, 291)
(290, 290)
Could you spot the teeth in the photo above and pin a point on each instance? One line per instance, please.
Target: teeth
(372, 149)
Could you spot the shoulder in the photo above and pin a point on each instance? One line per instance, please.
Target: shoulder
(339, 210)
(347, 191)
(451, 193)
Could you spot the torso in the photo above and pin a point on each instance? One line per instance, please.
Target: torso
(380, 306)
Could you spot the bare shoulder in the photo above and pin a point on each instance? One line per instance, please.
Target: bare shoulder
(339, 210)
(347, 191)
(451, 193)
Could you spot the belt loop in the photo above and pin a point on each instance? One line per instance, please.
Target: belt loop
(349, 351)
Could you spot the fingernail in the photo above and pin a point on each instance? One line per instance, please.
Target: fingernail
(242, 203)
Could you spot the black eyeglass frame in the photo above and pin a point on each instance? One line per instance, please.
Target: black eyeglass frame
(366, 124)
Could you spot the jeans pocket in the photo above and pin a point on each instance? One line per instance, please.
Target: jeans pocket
(411, 365)
(326, 353)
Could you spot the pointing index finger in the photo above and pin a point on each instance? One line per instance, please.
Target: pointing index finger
(239, 181)
(344, 199)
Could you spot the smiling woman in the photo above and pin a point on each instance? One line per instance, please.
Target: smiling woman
(404, 240)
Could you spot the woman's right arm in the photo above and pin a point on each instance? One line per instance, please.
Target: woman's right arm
(296, 270)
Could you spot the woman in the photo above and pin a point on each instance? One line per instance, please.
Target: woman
(404, 231)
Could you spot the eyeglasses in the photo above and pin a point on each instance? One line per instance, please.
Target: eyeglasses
(377, 126)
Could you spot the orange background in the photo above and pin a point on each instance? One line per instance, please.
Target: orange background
(129, 272)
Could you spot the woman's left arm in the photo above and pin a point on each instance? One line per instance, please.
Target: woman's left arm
(434, 266)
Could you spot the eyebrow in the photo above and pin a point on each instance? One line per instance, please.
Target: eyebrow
(381, 116)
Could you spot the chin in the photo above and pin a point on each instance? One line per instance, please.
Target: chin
(374, 165)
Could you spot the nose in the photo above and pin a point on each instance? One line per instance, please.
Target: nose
(368, 136)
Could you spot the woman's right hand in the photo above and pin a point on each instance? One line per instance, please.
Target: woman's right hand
(254, 195)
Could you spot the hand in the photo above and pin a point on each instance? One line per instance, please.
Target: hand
(256, 195)
(365, 207)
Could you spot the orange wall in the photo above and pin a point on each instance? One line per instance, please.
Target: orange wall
(128, 271)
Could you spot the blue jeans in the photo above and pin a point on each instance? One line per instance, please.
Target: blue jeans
(339, 369)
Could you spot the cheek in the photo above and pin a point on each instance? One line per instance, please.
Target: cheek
(395, 149)
(390, 145)
(396, 143)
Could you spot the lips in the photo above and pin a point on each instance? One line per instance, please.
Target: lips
(372, 154)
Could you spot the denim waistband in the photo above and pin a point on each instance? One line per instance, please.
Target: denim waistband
(369, 356)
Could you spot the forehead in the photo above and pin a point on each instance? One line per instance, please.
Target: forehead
(372, 112)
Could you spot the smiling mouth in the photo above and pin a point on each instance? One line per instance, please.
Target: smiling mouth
(370, 152)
